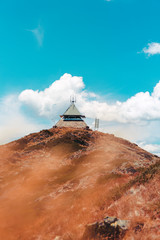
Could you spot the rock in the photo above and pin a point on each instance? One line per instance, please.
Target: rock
(138, 227)
(66, 236)
(110, 220)
(57, 238)
(124, 224)
(109, 228)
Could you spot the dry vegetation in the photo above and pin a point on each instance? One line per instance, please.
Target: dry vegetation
(55, 182)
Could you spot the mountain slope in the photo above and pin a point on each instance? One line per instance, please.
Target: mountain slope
(55, 182)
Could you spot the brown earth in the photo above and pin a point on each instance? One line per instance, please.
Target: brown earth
(55, 182)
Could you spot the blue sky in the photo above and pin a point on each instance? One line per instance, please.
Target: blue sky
(96, 39)
(105, 42)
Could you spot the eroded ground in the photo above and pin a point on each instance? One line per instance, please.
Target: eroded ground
(55, 182)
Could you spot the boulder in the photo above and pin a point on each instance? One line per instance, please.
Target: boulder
(110, 228)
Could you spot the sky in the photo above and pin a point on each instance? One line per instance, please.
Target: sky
(107, 53)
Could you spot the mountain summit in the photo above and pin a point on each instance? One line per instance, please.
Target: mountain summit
(72, 184)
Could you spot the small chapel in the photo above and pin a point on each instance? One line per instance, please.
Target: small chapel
(72, 118)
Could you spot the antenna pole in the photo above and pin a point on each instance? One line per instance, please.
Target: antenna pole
(96, 124)
(72, 99)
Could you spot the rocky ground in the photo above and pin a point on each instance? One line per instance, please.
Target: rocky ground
(70, 184)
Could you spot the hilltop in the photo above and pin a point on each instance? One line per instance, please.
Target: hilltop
(57, 183)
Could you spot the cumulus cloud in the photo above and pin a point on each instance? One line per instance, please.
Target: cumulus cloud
(38, 34)
(152, 48)
(135, 119)
(153, 148)
(13, 122)
(49, 103)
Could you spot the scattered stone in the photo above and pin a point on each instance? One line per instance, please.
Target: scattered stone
(131, 170)
(138, 227)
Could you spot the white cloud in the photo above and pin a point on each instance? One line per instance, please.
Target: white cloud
(52, 101)
(13, 123)
(152, 48)
(133, 119)
(38, 34)
(153, 148)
